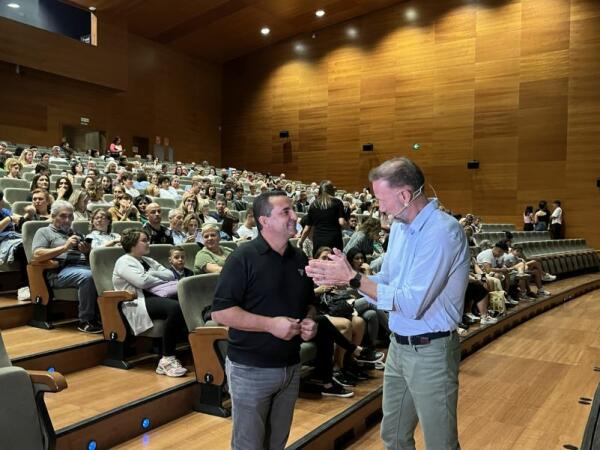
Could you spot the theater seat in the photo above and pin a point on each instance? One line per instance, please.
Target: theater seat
(42, 295)
(24, 419)
(119, 227)
(12, 195)
(120, 340)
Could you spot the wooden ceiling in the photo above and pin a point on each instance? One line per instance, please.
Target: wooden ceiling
(221, 30)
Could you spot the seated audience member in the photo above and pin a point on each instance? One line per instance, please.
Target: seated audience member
(63, 189)
(136, 272)
(221, 211)
(80, 199)
(191, 227)
(490, 262)
(302, 203)
(366, 239)
(26, 158)
(515, 262)
(88, 184)
(152, 189)
(56, 158)
(177, 263)
(96, 198)
(211, 258)
(13, 168)
(111, 167)
(176, 228)
(59, 241)
(141, 203)
(40, 181)
(159, 234)
(167, 191)
(127, 180)
(100, 226)
(39, 208)
(248, 229)
(352, 224)
(43, 167)
(189, 203)
(123, 209)
(141, 181)
(106, 184)
(478, 295)
(238, 203)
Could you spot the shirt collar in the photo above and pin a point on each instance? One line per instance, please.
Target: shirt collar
(264, 247)
(423, 215)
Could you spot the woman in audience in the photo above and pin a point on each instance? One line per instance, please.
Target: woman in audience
(212, 257)
(96, 199)
(101, 235)
(111, 167)
(325, 218)
(13, 168)
(106, 184)
(212, 193)
(189, 203)
(115, 150)
(63, 189)
(76, 171)
(152, 189)
(141, 203)
(88, 184)
(26, 158)
(191, 226)
(136, 272)
(123, 209)
(40, 181)
(366, 238)
(128, 185)
(248, 229)
(542, 216)
(477, 294)
(528, 219)
(79, 199)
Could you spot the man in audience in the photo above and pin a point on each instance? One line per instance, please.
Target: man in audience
(176, 228)
(221, 211)
(166, 190)
(239, 204)
(352, 223)
(302, 203)
(556, 220)
(56, 158)
(248, 229)
(58, 241)
(263, 355)
(159, 234)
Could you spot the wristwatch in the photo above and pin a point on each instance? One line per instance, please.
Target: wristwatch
(355, 281)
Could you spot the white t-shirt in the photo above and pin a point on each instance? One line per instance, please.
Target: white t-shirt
(556, 216)
(487, 256)
(244, 232)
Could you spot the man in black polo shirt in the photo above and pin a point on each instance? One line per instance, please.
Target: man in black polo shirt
(159, 234)
(264, 296)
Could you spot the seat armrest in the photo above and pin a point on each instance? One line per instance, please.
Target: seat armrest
(208, 362)
(113, 326)
(47, 381)
(37, 280)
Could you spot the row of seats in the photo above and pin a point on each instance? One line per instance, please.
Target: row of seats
(518, 236)
(562, 256)
(497, 226)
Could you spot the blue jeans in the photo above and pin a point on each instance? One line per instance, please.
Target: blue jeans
(420, 385)
(262, 403)
(80, 277)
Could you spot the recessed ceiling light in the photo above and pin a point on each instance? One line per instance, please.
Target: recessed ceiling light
(300, 47)
(92, 8)
(265, 31)
(320, 13)
(13, 5)
(351, 32)
(411, 14)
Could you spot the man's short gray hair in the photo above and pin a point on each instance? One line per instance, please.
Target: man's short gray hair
(399, 172)
(58, 205)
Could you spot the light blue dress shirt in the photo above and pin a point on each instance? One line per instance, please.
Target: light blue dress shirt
(425, 272)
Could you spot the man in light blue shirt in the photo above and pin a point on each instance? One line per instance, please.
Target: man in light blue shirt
(422, 284)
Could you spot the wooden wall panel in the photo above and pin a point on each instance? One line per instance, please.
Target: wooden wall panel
(511, 83)
(162, 93)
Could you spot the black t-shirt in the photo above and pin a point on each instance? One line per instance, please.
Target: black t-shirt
(261, 281)
(327, 230)
(161, 236)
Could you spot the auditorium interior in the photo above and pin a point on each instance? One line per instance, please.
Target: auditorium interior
(498, 102)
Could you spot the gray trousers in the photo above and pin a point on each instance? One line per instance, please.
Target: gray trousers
(262, 403)
(420, 385)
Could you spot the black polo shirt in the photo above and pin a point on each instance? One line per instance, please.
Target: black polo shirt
(161, 236)
(261, 281)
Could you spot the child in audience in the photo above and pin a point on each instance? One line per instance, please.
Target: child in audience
(177, 263)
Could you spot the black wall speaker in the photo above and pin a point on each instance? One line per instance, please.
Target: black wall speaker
(473, 164)
(598, 182)
(367, 147)
(284, 134)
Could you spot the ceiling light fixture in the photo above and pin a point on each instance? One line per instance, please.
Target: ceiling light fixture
(265, 31)
(13, 5)
(92, 8)
(319, 12)
(411, 14)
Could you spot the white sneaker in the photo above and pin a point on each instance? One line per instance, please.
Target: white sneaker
(472, 316)
(511, 301)
(543, 292)
(548, 277)
(488, 320)
(171, 367)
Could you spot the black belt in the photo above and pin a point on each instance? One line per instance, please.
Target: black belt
(420, 339)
